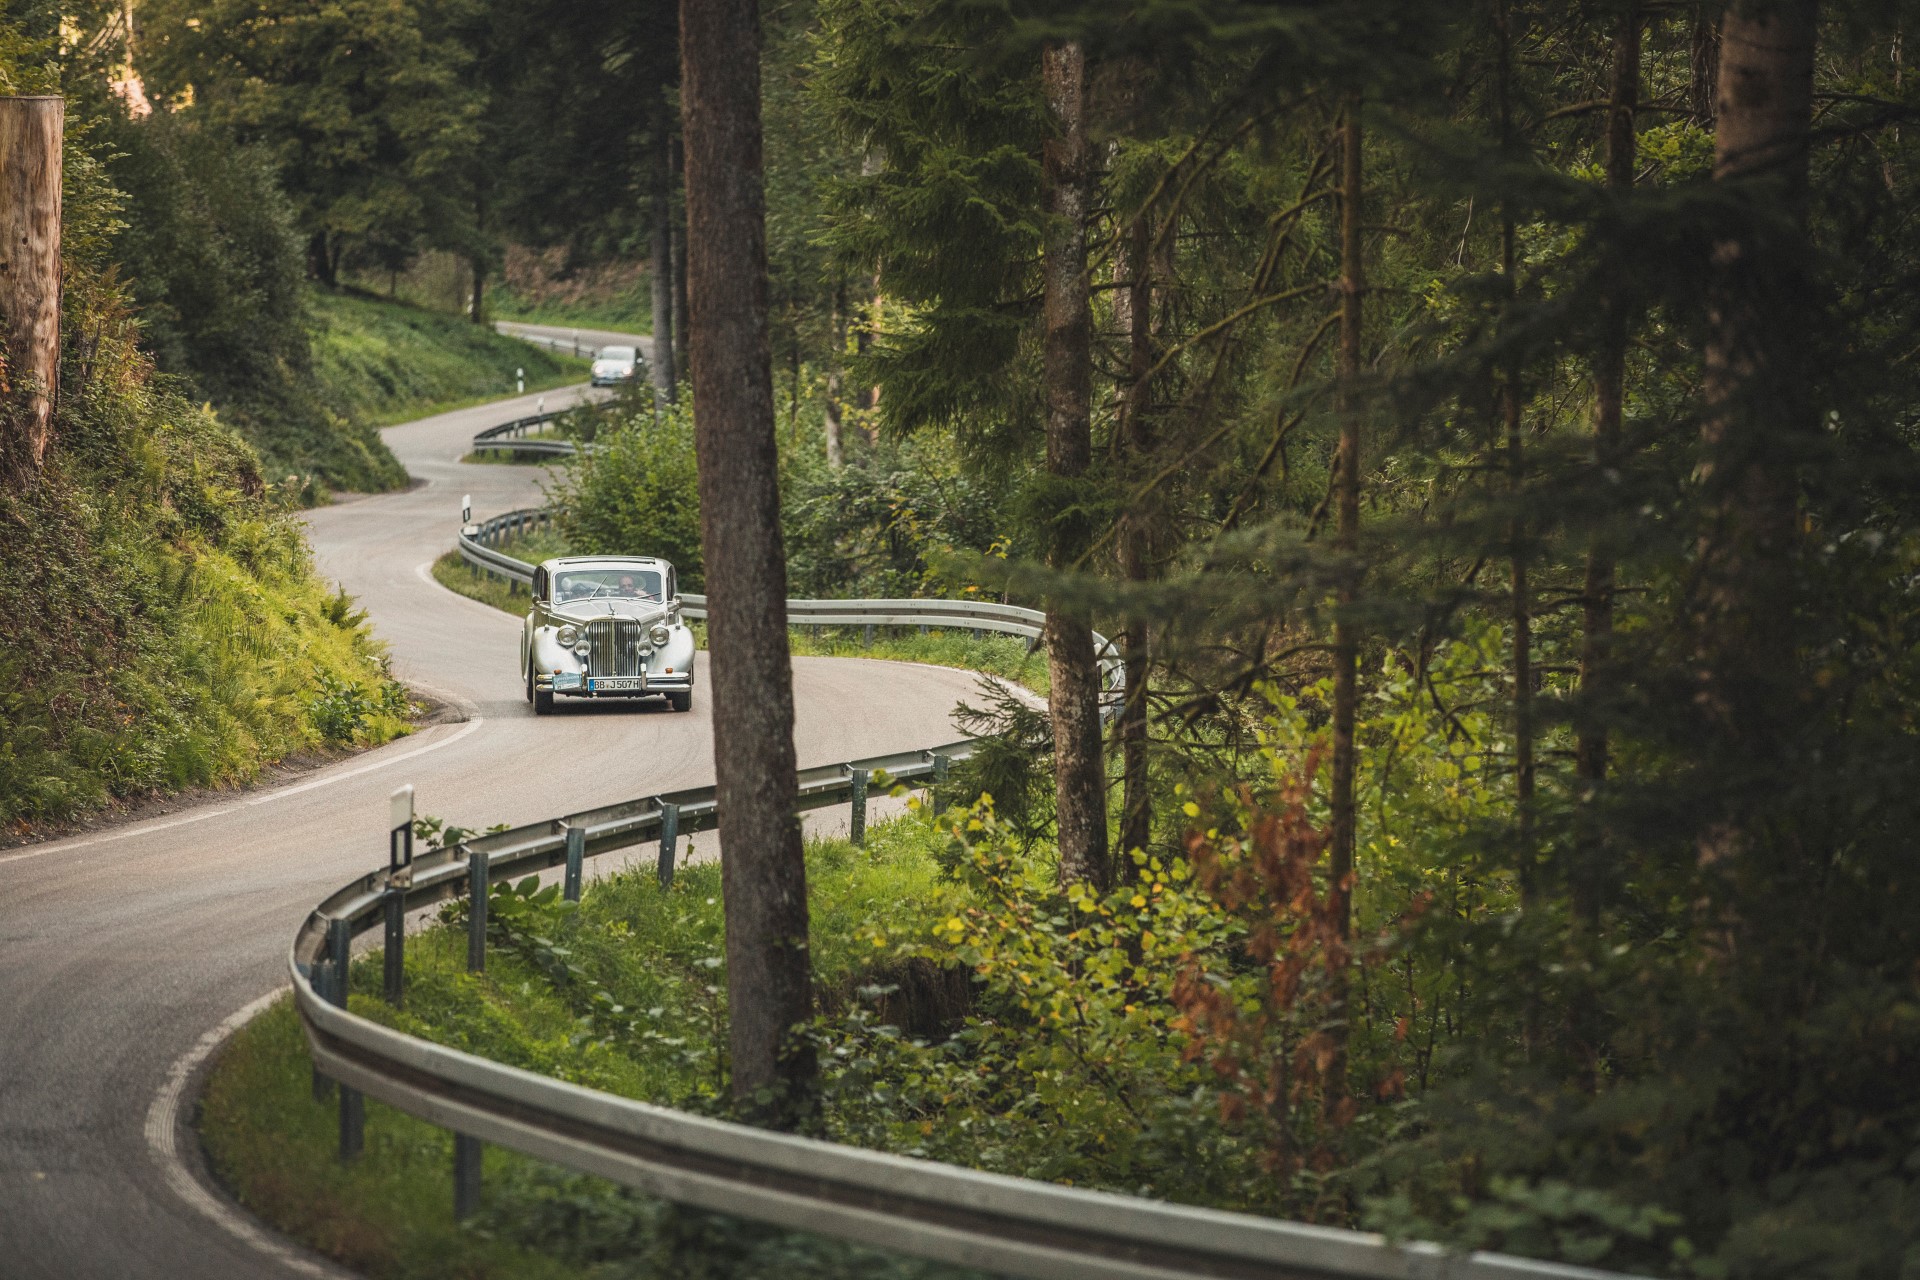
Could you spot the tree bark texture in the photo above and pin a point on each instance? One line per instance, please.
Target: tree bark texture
(1758, 415)
(1609, 402)
(665, 373)
(836, 377)
(763, 873)
(1133, 306)
(477, 305)
(30, 169)
(1067, 356)
(677, 225)
(1346, 640)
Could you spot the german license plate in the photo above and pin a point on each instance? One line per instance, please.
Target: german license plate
(617, 684)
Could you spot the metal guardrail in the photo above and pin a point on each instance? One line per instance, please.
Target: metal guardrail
(1012, 1226)
(480, 543)
(510, 437)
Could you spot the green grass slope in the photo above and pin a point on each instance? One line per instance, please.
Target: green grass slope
(383, 362)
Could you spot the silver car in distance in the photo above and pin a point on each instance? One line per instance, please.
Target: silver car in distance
(612, 365)
(606, 627)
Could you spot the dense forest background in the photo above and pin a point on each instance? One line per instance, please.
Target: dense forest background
(1488, 428)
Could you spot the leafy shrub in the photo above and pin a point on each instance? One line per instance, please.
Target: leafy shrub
(638, 492)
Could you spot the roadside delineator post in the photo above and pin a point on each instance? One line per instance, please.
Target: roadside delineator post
(399, 880)
(479, 886)
(353, 1107)
(857, 821)
(576, 856)
(669, 836)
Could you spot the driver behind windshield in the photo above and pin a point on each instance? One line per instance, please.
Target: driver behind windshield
(626, 586)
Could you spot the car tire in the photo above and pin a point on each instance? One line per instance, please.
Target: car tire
(681, 701)
(542, 699)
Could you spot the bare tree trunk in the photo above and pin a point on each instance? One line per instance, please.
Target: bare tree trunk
(1067, 318)
(477, 307)
(1704, 84)
(1133, 306)
(764, 875)
(1346, 640)
(677, 226)
(1757, 411)
(1518, 536)
(30, 169)
(1609, 398)
(666, 379)
(836, 360)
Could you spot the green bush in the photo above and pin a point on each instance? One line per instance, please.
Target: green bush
(638, 492)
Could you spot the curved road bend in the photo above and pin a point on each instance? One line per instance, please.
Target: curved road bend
(119, 950)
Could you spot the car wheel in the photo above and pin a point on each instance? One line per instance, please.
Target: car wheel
(542, 699)
(529, 682)
(681, 701)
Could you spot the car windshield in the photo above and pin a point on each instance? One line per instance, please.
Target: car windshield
(622, 354)
(606, 584)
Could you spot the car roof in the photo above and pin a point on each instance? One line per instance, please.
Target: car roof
(604, 562)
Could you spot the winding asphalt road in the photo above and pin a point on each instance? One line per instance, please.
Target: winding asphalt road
(121, 950)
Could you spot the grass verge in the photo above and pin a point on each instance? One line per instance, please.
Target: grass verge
(992, 654)
(641, 1005)
(385, 362)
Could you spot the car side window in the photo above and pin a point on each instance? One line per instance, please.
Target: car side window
(539, 586)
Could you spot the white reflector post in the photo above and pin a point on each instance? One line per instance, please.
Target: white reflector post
(466, 510)
(400, 808)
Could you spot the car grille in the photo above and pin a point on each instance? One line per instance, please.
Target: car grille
(613, 647)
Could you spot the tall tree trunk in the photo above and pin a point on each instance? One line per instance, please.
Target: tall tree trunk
(1134, 305)
(677, 225)
(1067, 319)
(320, 259)
(1518, 536)
(477, 308)
(836, 361)
(1609, 398)
(30, 170)
(1346, 639)
(1704, 83)
(665, 374)
(763, 872)
(1757, 414)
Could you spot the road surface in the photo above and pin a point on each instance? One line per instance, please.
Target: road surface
(121, 950)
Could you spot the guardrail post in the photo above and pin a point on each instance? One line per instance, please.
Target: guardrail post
(478, 887)
(866, 636)
(942, 766)
(353, 1107)
(466, 1177)
(669, 836)
(857, 822)
(576, 854)
(321, 975)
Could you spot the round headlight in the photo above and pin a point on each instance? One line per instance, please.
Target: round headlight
(567, 636)
(659, 634)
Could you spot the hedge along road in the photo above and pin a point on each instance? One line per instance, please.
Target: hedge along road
(120, 950)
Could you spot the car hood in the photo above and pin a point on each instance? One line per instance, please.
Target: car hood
(581, 612)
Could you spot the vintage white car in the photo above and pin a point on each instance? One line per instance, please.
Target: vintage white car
(606, 627)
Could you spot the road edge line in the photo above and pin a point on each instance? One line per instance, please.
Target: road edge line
(162, 1130)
